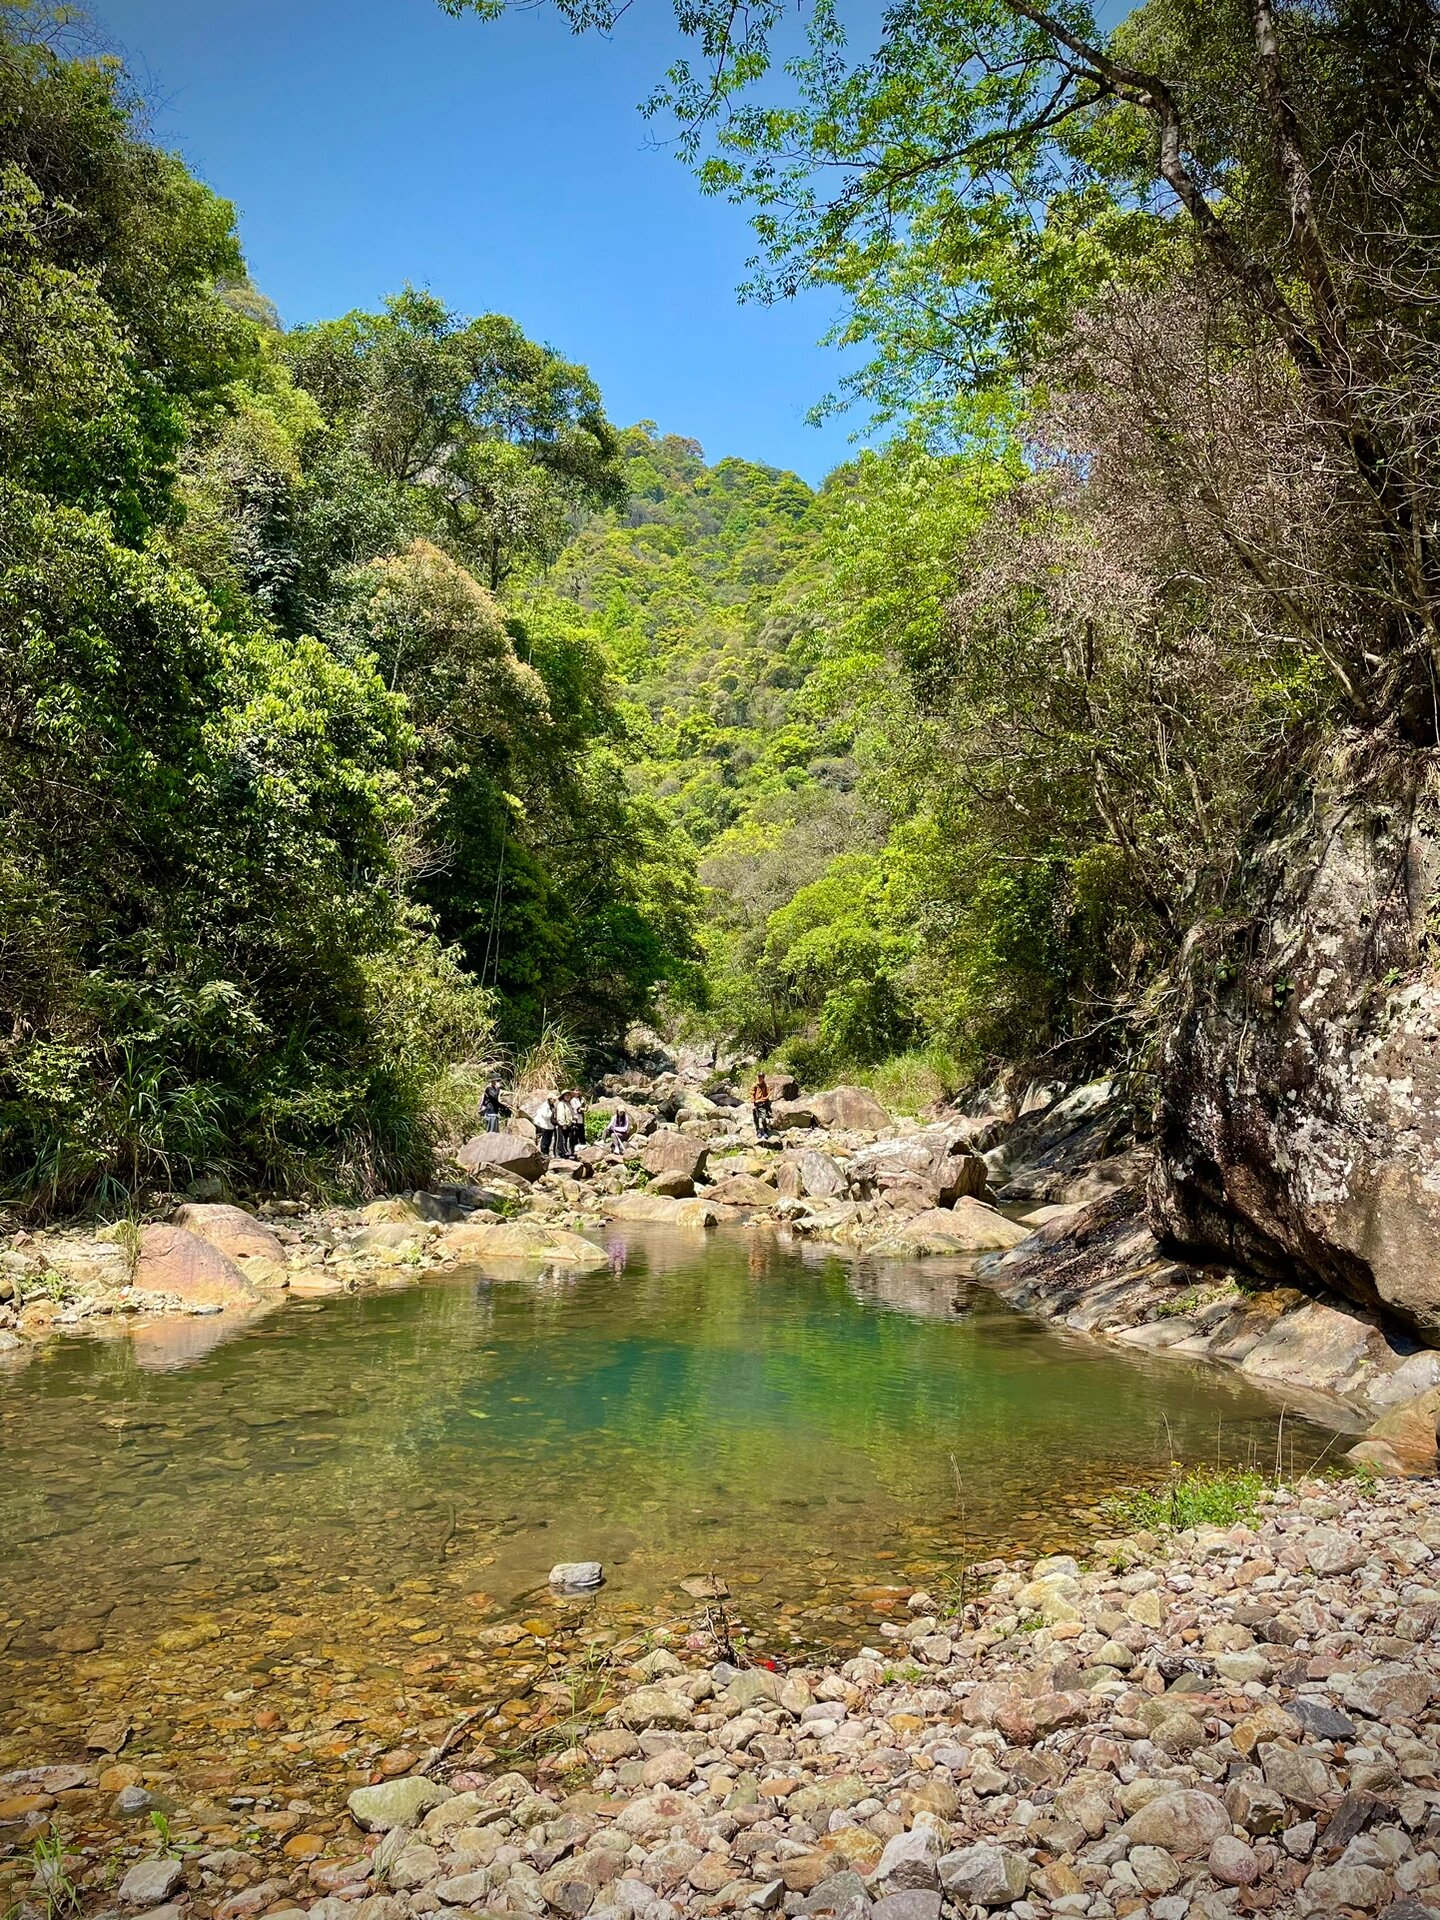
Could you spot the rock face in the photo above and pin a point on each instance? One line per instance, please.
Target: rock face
(232, 1230)
(173, 1260)
(513, 1153)
(1299, 1123)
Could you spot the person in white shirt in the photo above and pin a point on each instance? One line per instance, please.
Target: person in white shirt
(545, 1125)
(564, 1121)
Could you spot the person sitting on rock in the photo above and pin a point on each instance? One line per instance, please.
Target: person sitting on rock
(617, 1134)
(545, 1126)
(492, 1108)
(761, 1109)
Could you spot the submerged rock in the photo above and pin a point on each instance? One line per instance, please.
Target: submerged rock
(577, 1576)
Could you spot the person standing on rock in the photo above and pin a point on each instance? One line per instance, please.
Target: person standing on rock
(545, 1126)
(761, 1108)
(577, 1121)
(492, 1108)
(564, 1121)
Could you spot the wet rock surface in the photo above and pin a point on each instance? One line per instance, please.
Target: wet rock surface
(1057, 1737)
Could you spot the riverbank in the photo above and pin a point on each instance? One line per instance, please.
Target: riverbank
(1041, 1195)
(1223, 1721)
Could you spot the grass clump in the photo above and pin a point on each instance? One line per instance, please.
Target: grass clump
(1195, 1299)
(910, 1082)
(1191, 1497)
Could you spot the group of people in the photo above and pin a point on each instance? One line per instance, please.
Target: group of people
(560, 1124)
(560, 1119)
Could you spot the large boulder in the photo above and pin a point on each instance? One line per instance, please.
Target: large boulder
(936, 1160)
(743, 1190)
(661, 1208)
(817, 1176)
(670, 1151)
(513, 1153)
(174, 1260)
(232, 1230)
(1410, 1433)
(788, 1116)
(1299, 1117)
(851, 1108)
(521, 1240)
(967, 1227)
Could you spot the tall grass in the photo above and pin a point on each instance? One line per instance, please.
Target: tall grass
(554, 1060)
(910, 1082)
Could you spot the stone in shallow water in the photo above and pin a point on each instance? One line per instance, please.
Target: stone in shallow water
(577, 1576)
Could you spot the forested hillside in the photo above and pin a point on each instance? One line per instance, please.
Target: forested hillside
(372, 702)
(301, 815)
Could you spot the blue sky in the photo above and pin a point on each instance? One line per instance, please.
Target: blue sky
(505, 166)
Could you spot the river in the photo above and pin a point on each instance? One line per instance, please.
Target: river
(335, 1527)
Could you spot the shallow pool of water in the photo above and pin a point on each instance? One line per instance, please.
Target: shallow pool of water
(346, 1495)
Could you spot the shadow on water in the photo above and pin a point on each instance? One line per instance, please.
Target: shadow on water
(388, 1473)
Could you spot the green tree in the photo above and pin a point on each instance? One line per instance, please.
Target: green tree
(494, 441)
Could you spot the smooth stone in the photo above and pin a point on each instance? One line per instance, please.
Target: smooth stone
(577, 1576)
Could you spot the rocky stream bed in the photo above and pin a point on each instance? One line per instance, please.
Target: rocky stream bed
(1189, 1726)
(1220, 1722)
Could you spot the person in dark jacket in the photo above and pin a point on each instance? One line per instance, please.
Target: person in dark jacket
(492, 1108)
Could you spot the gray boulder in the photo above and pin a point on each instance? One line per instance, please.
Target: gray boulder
(670, 1151)
(985, 1876)
(513, 1153)
(852, 1108)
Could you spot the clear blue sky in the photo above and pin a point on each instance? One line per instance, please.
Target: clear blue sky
(506, 167)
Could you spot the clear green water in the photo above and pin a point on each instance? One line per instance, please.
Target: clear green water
(347, 1473)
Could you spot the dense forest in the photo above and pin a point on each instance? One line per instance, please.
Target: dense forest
(372, 703)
